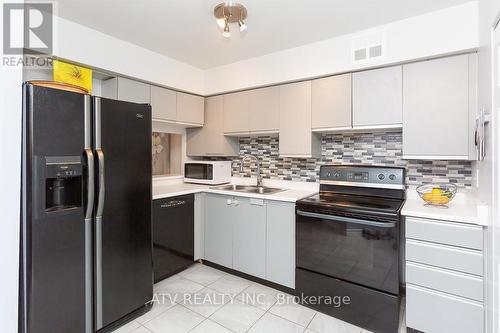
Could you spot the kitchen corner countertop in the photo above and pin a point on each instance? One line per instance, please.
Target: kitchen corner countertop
(165, 190)
(464, 208)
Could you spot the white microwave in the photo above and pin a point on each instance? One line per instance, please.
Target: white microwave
(207, 172)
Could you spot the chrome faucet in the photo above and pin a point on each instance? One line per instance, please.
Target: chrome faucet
(259, 176)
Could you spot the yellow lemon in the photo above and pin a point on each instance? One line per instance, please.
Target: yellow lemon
(427, 196)
(439, 199)
(437, 190)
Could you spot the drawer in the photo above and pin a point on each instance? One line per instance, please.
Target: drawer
(435, 312)
(454, 258)
(449, 233)
(450, 282)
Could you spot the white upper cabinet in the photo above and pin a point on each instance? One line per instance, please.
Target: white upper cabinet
(377, 98)
(190, 109)
(438, 108)
(236, 113)
(252, 112)
(163, 103)
(210, 140)
(133, 91)
(264, 111)
(126, 90)
(167, 105)
(331, 102)
(296, 138)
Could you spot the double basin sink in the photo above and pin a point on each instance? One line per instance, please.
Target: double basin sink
(249, 189)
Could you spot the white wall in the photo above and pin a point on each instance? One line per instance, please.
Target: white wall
(444, 31)
(10, 166)
(10, 169)
(488, 12)
(452, 29)
(81, 44)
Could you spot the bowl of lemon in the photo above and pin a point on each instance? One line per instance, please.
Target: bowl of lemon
(437, 194)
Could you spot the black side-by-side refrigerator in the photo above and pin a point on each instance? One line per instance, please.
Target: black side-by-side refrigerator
(86, 250)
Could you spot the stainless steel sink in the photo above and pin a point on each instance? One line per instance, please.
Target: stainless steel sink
(249, 189)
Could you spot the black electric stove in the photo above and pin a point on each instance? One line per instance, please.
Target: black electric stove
(348, 245)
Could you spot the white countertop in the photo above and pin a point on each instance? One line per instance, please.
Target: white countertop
(294, 190)
(464, 208)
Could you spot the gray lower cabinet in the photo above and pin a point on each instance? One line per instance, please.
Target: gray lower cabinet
(199, 226)
(280, 250)
(218, 230)
(439, 108)
(435, 312)
(253, 236)
(249, 236)
(377, 97)
(444, 276)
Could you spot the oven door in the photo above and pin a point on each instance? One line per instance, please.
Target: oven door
(358, 251)
(199, 171)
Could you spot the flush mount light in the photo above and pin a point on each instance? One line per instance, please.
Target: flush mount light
(228, 12)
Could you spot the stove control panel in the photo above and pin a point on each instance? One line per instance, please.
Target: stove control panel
(346, 174)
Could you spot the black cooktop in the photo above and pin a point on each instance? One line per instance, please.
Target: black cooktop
(348, 202)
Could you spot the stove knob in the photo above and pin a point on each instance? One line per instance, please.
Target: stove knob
(328, 174)
(381, 176)
(392, 177)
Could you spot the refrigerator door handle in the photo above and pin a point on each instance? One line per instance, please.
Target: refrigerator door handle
(98, 320)
(102, 186)
(88, 212)
(90, 183)
(98, 240)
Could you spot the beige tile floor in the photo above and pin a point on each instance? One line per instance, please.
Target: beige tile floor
(202, 299)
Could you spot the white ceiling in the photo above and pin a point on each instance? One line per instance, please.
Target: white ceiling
(185, 29)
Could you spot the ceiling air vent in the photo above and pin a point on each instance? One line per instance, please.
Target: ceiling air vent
(368, 46)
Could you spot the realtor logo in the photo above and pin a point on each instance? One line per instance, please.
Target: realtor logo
(27, 28)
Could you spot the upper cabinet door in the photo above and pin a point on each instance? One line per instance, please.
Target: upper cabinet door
(190, 109)
(436, 108)
(214, 127)
(264, 113)
(163, 103)
(133, 91)
(331, 102)
(295, 120)
(236, 113)
(377, 97)
(210, 140)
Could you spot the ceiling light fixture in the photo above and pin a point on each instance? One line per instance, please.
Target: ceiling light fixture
(227, 32)
(242, 25)
(229, 12)
(221, 23)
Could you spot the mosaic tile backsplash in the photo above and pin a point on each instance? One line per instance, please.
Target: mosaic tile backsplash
(383, 148)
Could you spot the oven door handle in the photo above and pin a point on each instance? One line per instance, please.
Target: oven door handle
(346, 219)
